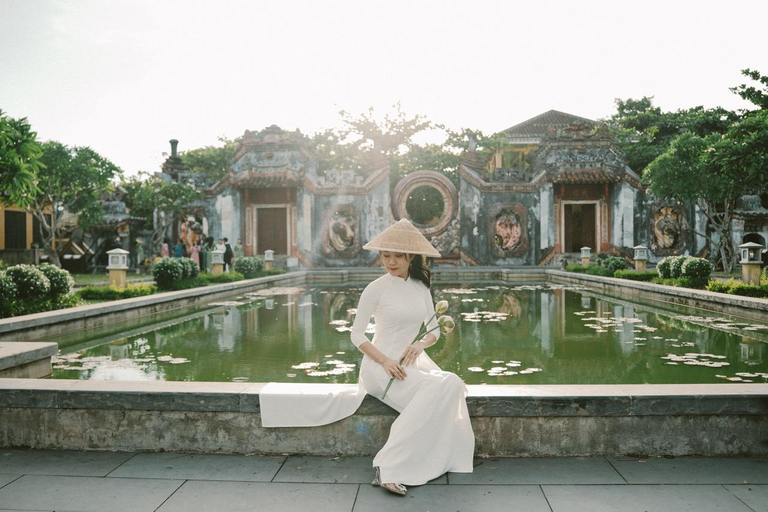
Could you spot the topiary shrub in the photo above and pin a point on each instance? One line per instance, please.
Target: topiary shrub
(7, 288)
(167, 271)
(111, 293)
(697, 268)
(676, 266)
(30, 282)
(248, 266)
(734, 287)
(189, 269)
(615, 263)
(663, 267)
(60, 280)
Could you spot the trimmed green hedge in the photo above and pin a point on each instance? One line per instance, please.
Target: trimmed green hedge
(112, 293)
(634, 275)
(683, 282)
(592, 270)
(733, 287)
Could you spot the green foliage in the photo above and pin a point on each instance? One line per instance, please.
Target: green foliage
(734, 287)
(166, 272)
(682, 282)
(19, 161)
(60, 280)
(212, 161)
(593, 270)
(697, 268)
(40, 304)
(146, 193)
(189, 269)
(112, 293)
(226, 277)
(30, 281)
(7, 288)
(633, 275)
(764, 277)
(185, 284)
(613, 264)
(676, 266)
(752, 93)
(664, 268)
(248, 266)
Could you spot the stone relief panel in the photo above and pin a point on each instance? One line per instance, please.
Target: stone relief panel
(509, 231)
(340, 233)
(667, 226)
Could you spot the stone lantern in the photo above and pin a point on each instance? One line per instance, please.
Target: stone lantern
(269, 257)
(641, 258)
(217, 261)
(118, 268)
(750, 262)
(585, 255)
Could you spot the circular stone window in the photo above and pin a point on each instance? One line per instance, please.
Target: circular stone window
(428, 199)
(425, 206)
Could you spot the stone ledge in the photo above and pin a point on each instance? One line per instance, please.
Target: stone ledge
(483, 401)
(14, 354)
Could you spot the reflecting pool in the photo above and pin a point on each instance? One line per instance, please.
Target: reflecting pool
(505, 334)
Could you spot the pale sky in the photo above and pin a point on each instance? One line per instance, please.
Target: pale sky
(124, 76)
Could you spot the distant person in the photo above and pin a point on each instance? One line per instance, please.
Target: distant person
(238, 250)
(228, 254)
(139, 252)
(194, 253)
(165, 250)
(178, 249)
(204, 254)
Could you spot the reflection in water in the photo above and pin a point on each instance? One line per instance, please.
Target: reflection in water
(540, 334)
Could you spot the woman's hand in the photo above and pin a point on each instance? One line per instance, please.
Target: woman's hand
(412, 352)
(393, 369)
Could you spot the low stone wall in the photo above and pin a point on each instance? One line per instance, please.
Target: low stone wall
(523, 421)
(746, 307)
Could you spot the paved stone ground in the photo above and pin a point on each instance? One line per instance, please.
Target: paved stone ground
(165, 482)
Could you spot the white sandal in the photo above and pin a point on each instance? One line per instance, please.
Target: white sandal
(398, 489)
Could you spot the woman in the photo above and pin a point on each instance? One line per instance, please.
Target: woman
(194, 253)
(433, 434)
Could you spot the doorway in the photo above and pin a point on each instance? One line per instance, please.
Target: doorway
(579, 226)
(272, 230)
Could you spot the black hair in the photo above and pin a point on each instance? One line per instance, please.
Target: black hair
(418, 270)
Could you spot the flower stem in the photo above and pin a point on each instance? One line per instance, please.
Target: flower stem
(401, 361)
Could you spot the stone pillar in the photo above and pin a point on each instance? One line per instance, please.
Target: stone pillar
(118, 268)
(269, 257)
(217, 262)
(750, 262)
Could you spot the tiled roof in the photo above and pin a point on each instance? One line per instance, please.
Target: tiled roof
(575, 176)
(538, 126)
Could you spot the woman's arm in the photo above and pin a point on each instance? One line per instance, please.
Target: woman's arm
(392, 367)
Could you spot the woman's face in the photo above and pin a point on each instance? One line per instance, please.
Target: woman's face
(396, 263)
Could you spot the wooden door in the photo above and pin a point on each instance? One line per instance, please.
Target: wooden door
(272, 230)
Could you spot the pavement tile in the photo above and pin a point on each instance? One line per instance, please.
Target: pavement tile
(179, 466)
(685, 470)
(755, 496)
(6, 479)
(257, 496)
(86, 494)
(65, 463)
(345, 470)
(476, 498)
(641, 498)
(570, 470)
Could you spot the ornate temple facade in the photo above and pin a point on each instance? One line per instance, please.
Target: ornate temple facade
(560, 183)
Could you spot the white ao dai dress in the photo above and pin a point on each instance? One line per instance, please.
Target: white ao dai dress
(433, 434)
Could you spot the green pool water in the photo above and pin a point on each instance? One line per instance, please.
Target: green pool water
(505, 334)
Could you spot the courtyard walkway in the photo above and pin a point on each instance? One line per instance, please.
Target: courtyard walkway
(135, 482)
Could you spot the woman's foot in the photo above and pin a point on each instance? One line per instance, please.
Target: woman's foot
(398, 489)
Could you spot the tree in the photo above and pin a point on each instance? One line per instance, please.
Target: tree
(212, 161)
(713, 172)
(152, 198)
(645, 132)
(19, 161)
(750, 92)
(71, 182)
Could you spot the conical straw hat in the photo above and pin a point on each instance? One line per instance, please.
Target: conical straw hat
(402, 236)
